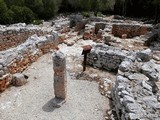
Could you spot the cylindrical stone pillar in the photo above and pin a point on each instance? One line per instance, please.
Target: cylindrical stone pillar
(60, 78)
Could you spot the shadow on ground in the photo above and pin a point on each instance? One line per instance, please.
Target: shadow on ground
(48, 107)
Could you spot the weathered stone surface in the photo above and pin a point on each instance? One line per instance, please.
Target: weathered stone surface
(17, 34)
(138, 76)
(99, 26)
(150, 70)
(16, 60)
(125, 66)
(106, 57)
(145, 55)
(131, 30)
(19, 79)
(74, 19)
(146, 86)
(60, 78)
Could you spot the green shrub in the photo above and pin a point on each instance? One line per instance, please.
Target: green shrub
(8, 17)
(37, 22)
(22, 14)
(85, 14)
(99, 14)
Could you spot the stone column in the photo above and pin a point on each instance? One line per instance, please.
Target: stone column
(60, 78)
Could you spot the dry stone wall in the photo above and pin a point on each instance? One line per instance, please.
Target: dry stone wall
(16, 34)
(135, 94)
(106, 57)
(15, 60)
(130, 30)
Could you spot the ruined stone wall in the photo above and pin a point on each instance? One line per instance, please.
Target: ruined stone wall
(135, 92)
(15, 35)
(15, 60)
(106, 57)
(131, 30)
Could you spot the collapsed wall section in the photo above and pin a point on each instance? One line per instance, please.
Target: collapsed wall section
(17, 59)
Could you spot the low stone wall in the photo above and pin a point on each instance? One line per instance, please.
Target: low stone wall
(131, 30)
(17, 59)
(135, 93)
(17, 34)
(106, 57)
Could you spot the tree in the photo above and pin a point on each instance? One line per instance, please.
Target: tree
(15, 2)
(50, 8)
(36, 6)
(22, 14)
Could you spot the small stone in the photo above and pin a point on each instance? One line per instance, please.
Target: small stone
(1, 67)
(125, 66)
(128, 99)
(19, 79)
(146, 86)
(138, 76)
(151, 71)
(1, 73)
(145, 55)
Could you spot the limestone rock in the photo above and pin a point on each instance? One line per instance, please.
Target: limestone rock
(150, 70)
(125, 66)
(99, 26)
(138, 76)
(145, 55)
(19, 79)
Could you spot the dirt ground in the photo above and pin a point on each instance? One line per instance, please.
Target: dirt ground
(33, 101)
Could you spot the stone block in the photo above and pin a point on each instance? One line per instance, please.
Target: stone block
(60, 78)
(18, 79)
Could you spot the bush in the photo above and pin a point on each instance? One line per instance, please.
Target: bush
(8, 17)
(22, 14)
(85, 14)
(99, 14)
(37, 22)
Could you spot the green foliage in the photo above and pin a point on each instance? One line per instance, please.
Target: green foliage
(36, 6)
(37, 22)
(3, 7)
(8, 17)
(86, 14)
(28, 10)
(50, 8)
(15, 2)
(99, 14)
(22, 14)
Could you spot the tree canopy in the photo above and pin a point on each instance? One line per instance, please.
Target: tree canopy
(12, 11)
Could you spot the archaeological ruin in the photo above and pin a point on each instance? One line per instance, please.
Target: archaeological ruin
(128, 49)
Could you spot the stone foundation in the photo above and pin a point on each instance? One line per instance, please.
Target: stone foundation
(16, 60)
(135, 94)
(106, 57)
(17, 34)
(131, 30)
